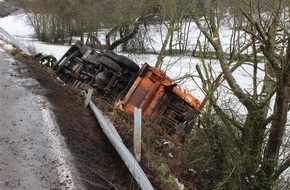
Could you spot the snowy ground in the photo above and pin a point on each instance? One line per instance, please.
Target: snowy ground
(16, 25)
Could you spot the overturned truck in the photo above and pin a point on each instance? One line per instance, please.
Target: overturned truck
(119, 78)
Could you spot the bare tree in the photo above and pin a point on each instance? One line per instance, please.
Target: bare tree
(173, 13)
(258, 132)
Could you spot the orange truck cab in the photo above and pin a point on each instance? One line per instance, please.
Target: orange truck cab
(161, 99)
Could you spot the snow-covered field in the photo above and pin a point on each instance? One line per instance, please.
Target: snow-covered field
(17, 26)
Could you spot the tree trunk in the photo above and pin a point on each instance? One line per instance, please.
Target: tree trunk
(164, 45)
(277, 129)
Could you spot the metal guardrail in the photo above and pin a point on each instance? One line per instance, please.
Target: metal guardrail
(14, 41)
(117, 142)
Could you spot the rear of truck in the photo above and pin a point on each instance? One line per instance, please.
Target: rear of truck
(161, 99)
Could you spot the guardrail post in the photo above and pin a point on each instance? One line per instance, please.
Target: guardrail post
(137, 133)
(88, 97)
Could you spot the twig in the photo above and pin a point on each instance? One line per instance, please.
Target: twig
(95, 184)
(94, 171)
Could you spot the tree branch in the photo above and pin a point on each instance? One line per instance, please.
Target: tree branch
(243, 98)
(285, 165)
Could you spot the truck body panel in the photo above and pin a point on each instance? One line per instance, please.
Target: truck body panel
(161, 99)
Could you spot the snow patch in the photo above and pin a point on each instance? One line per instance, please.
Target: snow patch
(179, 185)
(16, 25)
(5, 46)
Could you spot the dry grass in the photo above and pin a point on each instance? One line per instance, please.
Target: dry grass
(162, 161)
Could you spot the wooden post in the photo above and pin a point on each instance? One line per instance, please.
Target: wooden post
(137, 133)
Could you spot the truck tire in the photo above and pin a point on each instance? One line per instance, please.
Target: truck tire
(110, 63)
(112, 55)
(122, 61)
(126, 62)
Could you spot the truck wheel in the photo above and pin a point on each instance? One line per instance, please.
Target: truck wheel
(126, 62)
(110, 63)
(111, 54)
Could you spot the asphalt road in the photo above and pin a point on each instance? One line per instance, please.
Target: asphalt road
(33, 154)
